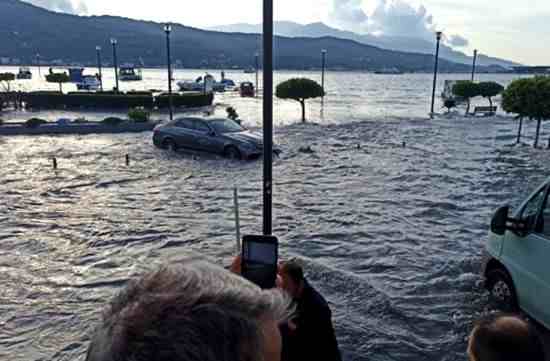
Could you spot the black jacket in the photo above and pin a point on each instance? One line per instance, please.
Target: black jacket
(314, 337)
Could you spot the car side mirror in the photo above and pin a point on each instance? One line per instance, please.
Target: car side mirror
(499, 224)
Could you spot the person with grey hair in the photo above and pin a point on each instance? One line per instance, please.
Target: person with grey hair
(193, 312)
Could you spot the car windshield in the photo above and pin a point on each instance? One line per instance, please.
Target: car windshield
(226, 126)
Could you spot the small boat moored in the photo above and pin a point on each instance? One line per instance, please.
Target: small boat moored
(129, 73)
(24, 74)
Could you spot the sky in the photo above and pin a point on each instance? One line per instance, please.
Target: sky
(510, 29)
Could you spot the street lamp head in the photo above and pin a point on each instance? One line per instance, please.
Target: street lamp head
(257, 54)
(98, 48)
(113, 41)
(439, 34)
(324, 51)
(167, 28)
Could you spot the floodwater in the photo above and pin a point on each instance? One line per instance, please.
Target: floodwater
(390, 215)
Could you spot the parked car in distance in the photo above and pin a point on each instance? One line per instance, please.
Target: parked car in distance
(214, 135)
(516, 271)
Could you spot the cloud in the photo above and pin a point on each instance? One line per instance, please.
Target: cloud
(349, 15)
(62, 6)
(457, 41)
(399, 18)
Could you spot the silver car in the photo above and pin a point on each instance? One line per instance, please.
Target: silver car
(214, 135)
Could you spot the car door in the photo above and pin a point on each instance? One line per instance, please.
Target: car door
(202, 134)
(183, 133)
(527, 257)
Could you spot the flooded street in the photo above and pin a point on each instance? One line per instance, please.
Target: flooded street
(391, 232)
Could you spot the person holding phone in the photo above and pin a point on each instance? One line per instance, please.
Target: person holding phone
(310, 334)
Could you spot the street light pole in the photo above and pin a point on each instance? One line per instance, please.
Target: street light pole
(98, 51)
(438, 36)
(257, 57)
(323, 64)
(268, 115)
(168, 30)
(38, 63)
(474, 65)
(114, 43)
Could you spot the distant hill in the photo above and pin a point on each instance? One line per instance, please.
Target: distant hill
(398, 43)
(26, 30)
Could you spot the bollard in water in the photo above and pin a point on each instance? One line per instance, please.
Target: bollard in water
(127, 160)
(54, 163)
(404, 145)
(358, 146)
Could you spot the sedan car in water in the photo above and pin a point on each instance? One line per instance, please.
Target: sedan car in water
(214, 135)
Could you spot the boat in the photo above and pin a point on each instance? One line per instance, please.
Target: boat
(390, 71)
(129, 73)
(24, 73)
(249, 71)
(76, 75)
(89, 83)
(201, 84)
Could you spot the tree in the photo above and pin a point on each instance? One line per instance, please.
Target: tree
(529, 98)
(5, 79)
(489, 90)
(466, 89)
(300, 89)
(59, 78)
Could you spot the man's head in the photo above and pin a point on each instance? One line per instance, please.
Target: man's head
(192, 312)
(292, 278)
(504, 338)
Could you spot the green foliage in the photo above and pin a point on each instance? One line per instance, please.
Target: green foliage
(529, 98)
(232, 113)
(35, 122)
(466, 89)
(490, 89)
(57, 78)
(7, 76)
(449, 104)
(139, 115)
(300, 89)
(112, 121)
(80, 120)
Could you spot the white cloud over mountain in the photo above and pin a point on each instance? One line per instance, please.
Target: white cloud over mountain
(64, 6)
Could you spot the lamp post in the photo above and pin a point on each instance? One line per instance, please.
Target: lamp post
(323, 64)
(98, 51)
(438, 37)
(38, 63)
(168, 30)
(268, 115)
(474, 65)
(257, 57)
(114, 43)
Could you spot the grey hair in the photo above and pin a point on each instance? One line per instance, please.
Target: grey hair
(194, 312)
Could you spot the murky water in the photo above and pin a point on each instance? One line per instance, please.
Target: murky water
(392, 235)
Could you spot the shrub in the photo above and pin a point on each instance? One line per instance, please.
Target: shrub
(139, 115)
(528, 98)
(81, 120)
(59, 78)
(112, 121)
(300, 89)
(35, 122)
(466, 89)
(7, 78)
(490, 89)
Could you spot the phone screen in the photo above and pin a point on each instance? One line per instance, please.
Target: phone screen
(260, 260)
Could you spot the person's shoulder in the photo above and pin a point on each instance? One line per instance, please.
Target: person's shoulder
(315, 299)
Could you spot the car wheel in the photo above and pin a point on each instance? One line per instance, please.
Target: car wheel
(232, 152)
(169, 144)
(502, 290)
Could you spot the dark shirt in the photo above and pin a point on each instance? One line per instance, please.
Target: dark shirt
(314, 337)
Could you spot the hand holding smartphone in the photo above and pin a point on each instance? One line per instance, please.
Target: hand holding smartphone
(260, 260)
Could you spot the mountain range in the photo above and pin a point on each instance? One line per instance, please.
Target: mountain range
(398, 43)
(26, 30)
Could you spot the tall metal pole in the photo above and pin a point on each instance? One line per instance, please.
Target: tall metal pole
(167, 30)
(323, 64)
(438, 35)
(115, 63)
(268, 115)
(38, 62)
(474, 65)
(257, 57)
(100, 73)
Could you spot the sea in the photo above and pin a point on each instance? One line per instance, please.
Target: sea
(389, 214)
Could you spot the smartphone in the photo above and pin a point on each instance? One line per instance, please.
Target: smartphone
(259, 260)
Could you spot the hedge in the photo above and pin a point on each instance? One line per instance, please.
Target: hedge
(189, 100)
